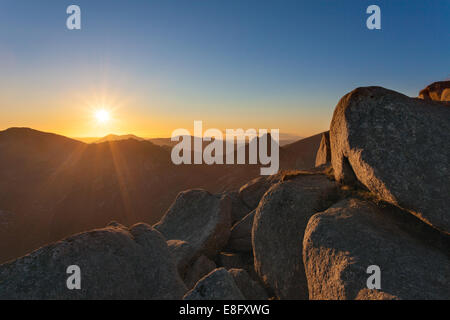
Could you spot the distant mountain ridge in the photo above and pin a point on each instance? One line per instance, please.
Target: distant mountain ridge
(109, 137)
(284, 139)
(115, 137)
(55, 186)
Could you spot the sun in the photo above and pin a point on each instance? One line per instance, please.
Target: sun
(102, 116)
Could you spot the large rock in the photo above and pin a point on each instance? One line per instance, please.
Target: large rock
(437, 91)
(183, 253)
(398, 147)
(342, 242)
(277, 234)
(115, 263)
(200, 218)
(201, 267)
(241, 234)
(251, 289)
(252, 192)
(324, 153)
(218, 285)
(238, 208)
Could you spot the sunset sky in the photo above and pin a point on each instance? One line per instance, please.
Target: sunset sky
(159, 65)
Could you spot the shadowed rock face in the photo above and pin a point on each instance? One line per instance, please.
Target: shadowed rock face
(398, 147)
(115, 263)
(200, 218)
(241, 234)
(218, 285)
(201, 267)
(437, 91)
(324, 153)
(340, 244)
(183, 253)
(251, 289)
(238, 208)
(236, 260)
(278, 229)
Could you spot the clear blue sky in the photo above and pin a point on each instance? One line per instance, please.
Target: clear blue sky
(160, 64)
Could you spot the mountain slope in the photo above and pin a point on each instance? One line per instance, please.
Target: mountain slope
(300, 154)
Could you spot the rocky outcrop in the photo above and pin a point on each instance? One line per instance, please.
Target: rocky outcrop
(278, 229)
(397, 147)
(437, 91)
(241, 235)
(218, 285)
(200, 218)
(342, 242)
(251, 289)
(324, 153)
(201, 267)
(115, 263)
(273, 237)
(445, 96)
(183, 253)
